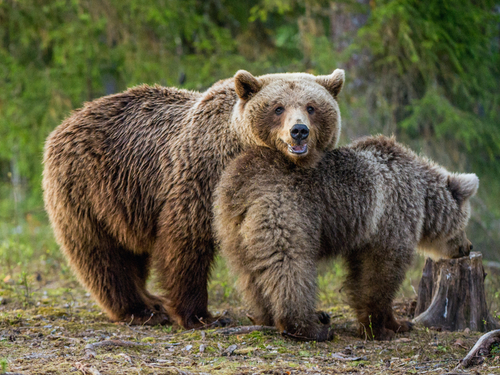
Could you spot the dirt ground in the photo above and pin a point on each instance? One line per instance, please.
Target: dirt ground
(46, 328)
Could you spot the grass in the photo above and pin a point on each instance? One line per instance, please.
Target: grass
(47, 319)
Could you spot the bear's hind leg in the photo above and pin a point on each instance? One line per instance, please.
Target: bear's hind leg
(374, 278)
(116, 277)
(183, 269)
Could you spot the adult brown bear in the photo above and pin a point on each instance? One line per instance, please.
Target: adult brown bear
(372, 202)
(129, 179)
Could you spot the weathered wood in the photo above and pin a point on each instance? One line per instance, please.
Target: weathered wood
(481, 349)
(451, 295)
(242, 330)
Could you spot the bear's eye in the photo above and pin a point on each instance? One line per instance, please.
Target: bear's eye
(279, 110)
(310, 110)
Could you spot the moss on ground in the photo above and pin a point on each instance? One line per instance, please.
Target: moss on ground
(48, 332)
(47, 319)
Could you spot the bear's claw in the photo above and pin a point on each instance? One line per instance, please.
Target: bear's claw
(323, 317)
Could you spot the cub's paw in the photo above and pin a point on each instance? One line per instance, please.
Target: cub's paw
(260, 320)
(323, 317)
(221, 321)
(326, 333)
(404, 326)
(399, 326)
(208, 322)
(150, 317)
(384, 334)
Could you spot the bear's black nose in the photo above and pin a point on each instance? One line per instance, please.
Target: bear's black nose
(299, 132)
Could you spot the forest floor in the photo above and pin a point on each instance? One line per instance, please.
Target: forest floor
(47, 323)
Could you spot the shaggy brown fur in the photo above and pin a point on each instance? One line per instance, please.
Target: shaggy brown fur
(129, 178)
(372, 203)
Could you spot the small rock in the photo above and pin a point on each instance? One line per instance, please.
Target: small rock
(347, 350)
(230, 349)
(403, 339)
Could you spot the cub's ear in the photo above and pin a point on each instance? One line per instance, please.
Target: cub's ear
(333, 83)
(462, 186)
(246, 84)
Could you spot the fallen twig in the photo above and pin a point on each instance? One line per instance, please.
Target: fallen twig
(481, 349)
(343, 357)
(242, 330)
(90, 348)
(86, 370)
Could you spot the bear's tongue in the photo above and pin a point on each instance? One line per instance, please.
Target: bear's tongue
(300, 149)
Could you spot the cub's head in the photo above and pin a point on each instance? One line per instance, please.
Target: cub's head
(458, 246)
(294, 113)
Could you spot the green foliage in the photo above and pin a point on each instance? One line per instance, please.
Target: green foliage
(495, 349)
(330, 277)
(426, 71)
(27, 245)
(437, 67)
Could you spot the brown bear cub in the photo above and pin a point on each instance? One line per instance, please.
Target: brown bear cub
(129, 181)
(372, 203)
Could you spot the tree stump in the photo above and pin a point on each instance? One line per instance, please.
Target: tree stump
(451, 295)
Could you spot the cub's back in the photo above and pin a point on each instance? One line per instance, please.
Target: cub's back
(403, 181)
(372, 190)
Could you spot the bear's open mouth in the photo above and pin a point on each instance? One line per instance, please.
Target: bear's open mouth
(300, 149)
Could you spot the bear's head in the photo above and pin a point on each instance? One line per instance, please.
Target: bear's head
(294, 113)
(454, 217)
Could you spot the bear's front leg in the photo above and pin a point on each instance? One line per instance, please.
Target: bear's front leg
(279, 252)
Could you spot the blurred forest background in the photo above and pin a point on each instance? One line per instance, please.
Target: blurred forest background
(426, 71)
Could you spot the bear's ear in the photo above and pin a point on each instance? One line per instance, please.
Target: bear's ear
(246, 84)
(462, 186)
(333, 83)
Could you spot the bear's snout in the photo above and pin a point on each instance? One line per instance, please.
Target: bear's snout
(299, 132)
(464, 250)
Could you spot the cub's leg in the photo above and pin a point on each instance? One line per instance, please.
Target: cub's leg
(261, 312)
(373, 280)
(279, 254)
(115, 276)
(259, 306)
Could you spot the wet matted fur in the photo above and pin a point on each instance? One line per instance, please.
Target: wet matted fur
(129, 178)
(372, 202)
